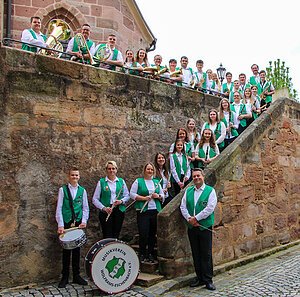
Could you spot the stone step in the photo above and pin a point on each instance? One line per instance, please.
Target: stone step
(136, 247)
(148, 267)
(147, 279)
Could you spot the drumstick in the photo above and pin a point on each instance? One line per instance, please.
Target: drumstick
(114, 204)
(146, 202)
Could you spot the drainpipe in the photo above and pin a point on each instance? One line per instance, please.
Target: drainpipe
(152, 46)
(8, 19)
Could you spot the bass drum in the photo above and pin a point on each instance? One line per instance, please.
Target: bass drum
(112, 265)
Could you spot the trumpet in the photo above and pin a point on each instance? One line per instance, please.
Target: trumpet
(60, 30)
(83, 47)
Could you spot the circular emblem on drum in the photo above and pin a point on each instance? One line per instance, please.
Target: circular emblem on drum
(115, 267)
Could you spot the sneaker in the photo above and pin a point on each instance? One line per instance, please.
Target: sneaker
(63, 282)
(79, 280)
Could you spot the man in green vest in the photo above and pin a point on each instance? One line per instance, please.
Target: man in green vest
(33, 36)
(108, 55)
(197, 208)
(254, 79)
(72, 210)
(79, 52)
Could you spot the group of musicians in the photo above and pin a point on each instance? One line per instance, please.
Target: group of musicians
(90, 53)
(157, 185)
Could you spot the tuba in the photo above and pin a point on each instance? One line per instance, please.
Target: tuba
(82, 45)
(59, 30)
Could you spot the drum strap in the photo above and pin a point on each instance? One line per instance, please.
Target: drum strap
(71, 204)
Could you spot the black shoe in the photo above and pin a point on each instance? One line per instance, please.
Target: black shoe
(63, 282)
(210, 286)
(77, 279)
(196, 283)
(151, 258)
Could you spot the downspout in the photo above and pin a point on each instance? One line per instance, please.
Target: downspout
(8, 18)
(152, 46)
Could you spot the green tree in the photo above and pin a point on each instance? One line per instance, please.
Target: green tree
(278, 74)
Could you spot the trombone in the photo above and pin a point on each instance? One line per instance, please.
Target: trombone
(83, 47)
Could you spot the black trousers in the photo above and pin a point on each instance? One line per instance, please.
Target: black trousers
(201, 246)
(227, 141)
(147, 227)
(66, 258)
(111, 228)
(175, 189)
(240, 129)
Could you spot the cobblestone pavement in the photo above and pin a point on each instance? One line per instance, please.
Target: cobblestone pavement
(277, 275)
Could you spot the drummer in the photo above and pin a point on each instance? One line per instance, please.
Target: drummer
(147, 190)
(72, 211)
(110, 197)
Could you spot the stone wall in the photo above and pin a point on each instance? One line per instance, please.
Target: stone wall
(57, 113)
(119, 17)
(257, 180)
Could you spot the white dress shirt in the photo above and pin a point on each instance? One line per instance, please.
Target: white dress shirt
(151, 189)
(207, 211)
(71, 44)
(206, 147)
(28, 38)
(213, 127)
(112, 186)
(60, 200)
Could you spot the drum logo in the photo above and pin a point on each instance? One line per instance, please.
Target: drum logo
(116, 267)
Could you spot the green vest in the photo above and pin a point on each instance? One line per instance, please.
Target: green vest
(242, 110)
(105, 194)
(253, 81)
(202, 154)
(200, 205)
(265, 87)
(225, 87)
(204, 75)
(114, 57)
(83, 49)
(143, 191)
(234, 132)
(32, 49)
(178, 166)
(217, 133)
(77, 205)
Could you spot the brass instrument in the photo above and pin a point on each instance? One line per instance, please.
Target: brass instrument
(102, 53)
(176, 72)
(60, 30)
(162, 71)
(151, 69)
(82, 45)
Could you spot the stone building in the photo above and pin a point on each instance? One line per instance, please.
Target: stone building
(120, 17)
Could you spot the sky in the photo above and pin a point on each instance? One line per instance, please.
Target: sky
(234, 33)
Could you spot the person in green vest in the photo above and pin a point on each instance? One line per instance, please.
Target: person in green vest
(265, 89)
(33, 36)
(197, 208)
(141, 58)
(72, 210)
(227, 86)
(243, 84)
(254, 79)
(148, 196)
(110, 197)
(110, 57)
(216, 126)
(236, 88)
(79, 52)
(207, 150)
(187, 72)
(229, 118)
(179, 167)
(200, 77)
(175, 73)
(242, 112)
(256, 109)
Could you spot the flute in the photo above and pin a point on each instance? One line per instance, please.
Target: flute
(114, 204)
(146, 202)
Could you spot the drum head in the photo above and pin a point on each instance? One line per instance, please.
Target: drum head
(71, 235)
(115, 267)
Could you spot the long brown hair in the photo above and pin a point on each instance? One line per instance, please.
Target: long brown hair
(165, 166)
(217, 116)
(212, 141)
(221, 110)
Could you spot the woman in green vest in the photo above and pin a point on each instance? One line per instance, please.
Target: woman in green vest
(163, 175)
(194, 137)
(179, 167)
(110, 197)
(216, 126)
(206, 150)
(228, 117)
(148, 196)
(256, 109)
(141, 58)
(182, 134)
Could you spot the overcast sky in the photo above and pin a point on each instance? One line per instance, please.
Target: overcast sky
(236, 33)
